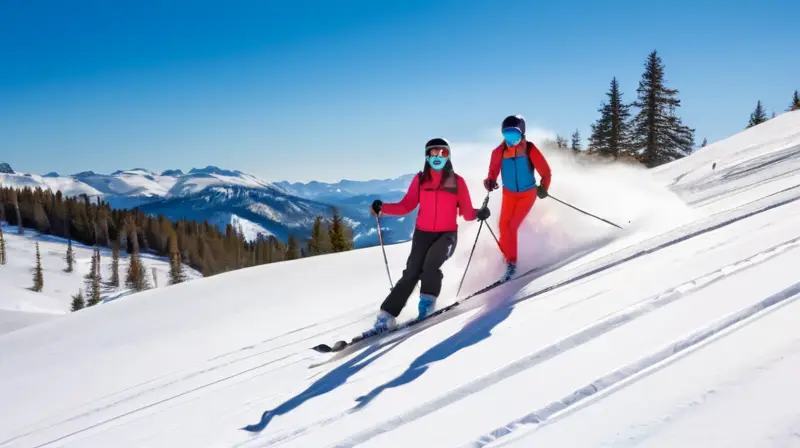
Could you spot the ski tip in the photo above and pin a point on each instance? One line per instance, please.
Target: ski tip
(322, 348)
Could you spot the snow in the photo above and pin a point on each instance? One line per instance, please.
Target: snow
(249, 229)
(20, 307)
(67, 185)
(197, 181)
(647, 336)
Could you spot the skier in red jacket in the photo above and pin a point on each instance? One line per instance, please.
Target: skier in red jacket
(516, 158)
(442, 195)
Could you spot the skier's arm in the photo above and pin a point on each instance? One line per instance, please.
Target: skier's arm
(541, 166)
(494, 164)
(465, 207)
(407, 204)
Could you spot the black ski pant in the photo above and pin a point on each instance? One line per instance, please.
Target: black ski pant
(429, 251)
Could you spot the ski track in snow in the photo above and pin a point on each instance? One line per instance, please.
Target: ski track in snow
(594, 331)
(544, 414)
(168, 380)
(686, 409)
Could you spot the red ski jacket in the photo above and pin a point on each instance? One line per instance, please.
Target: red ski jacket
(516, 167)
(439, 203)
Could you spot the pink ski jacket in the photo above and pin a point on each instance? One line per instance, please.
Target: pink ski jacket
(440, 203)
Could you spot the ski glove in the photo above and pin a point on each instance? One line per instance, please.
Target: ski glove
(377, 205)
(541, 192)
(483, 213)
(490, 184)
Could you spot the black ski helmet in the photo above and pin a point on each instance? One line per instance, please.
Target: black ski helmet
(514, 121)
(437, 142)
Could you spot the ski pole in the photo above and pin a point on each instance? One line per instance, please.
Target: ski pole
(494, 236)
(385, 260)
(485, 202)
(584, 212)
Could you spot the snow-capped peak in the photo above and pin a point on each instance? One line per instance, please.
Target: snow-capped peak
(211, 169)
(132, 187)
(6, 168)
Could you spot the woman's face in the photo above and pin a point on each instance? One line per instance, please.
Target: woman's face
(512, 136)
(437, 157)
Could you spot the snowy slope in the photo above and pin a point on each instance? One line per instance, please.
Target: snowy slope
(67, 185)
(649, 336)
(20, 307)
(199, 179)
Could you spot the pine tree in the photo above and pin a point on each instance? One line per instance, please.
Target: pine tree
(136, 276)
(795, 104)
(15, 202)
(338, 233)
(144, 282)
(657, 131)
(40, 220)
(38, 276)
(561, 141)
(99, 263)
(705, 142)
(576, 141)
(70, 257)
(114, 282)
(292, 248)
(77, 301)
(758, 116)
(176, 273)
(93, 281)
(319, 243)
(611, 133)
(2, 246)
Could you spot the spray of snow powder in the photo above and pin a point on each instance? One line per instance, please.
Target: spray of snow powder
(621, 192)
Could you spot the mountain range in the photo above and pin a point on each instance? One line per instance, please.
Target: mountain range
(224, 196)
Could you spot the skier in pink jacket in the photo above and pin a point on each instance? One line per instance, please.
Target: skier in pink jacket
(442, 195)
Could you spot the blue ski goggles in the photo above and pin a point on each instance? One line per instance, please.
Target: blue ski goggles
(512, 136)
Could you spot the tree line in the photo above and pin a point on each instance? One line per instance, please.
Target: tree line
(759, 114)
(200, 245)
(647, 130)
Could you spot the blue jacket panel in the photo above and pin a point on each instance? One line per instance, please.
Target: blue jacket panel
(517, 171)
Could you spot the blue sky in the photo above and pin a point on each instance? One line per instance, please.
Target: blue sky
(353, 89)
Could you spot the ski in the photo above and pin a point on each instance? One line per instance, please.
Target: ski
(340, 345)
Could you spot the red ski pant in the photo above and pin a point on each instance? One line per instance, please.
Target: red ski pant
(514, 210)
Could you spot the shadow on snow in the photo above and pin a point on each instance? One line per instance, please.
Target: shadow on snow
(497, 308)
(479, 328)
(327, 383)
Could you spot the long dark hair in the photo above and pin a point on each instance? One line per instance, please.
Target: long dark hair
(447, 171)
